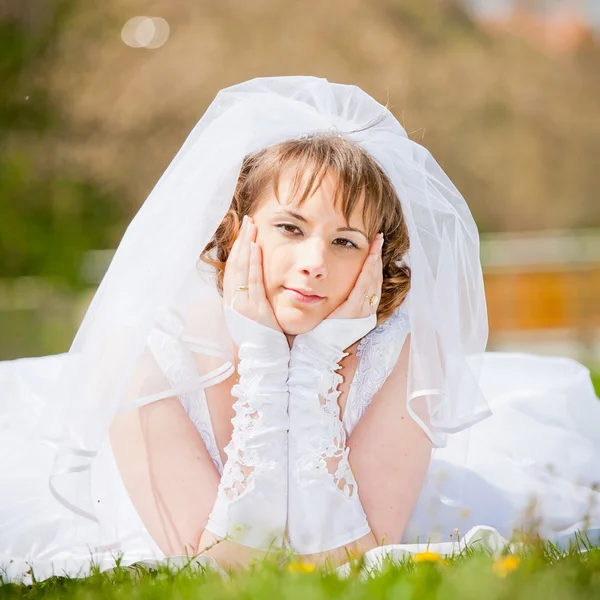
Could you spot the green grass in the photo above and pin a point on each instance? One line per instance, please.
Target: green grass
(542, 572)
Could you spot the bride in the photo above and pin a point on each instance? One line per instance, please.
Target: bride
(288, 350)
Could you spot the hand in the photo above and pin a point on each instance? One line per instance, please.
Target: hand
(244, 268)
(366, 294)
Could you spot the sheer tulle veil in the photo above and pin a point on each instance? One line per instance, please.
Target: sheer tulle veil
(156, 298)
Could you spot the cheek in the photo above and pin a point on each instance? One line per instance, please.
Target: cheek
(272, 271)
(343, 277)
(275, 262)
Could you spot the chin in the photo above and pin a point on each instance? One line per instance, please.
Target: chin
(294, 321)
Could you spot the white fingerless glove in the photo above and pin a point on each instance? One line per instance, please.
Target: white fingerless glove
(324, 510)
(251, 505)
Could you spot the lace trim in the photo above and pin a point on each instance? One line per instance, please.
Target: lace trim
(334, 458)
(245, 455)
(238, 475)
(327, 455)
(378, 353)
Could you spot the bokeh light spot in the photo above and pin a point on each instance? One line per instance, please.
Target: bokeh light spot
(145, 32)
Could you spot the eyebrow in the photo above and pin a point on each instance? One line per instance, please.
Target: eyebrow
(302, 219)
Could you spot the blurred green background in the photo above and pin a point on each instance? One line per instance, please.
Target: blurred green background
(96, 98)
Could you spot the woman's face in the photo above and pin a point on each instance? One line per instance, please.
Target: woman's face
(311, 255)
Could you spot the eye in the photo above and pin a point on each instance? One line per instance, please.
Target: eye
(345, 243)
(293, 230)
(288, 229)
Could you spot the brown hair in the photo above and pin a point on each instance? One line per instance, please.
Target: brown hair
(361, 182)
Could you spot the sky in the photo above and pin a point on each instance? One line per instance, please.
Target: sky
(590, 9)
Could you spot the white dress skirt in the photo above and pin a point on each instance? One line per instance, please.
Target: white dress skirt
(536, 460)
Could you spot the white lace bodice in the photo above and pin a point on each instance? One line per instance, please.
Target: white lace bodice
(377, 354)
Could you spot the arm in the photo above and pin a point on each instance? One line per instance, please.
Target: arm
(251, 504)
(167, 472)
(167, 469)
(171, 479)
(390, 456)
(388, 452)
(325, 511)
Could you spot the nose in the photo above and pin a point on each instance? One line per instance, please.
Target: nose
(312, 258)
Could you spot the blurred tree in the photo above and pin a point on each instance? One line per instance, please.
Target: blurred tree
(50, 213)
(517, 130)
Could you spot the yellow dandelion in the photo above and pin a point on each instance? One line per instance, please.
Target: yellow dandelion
(506, 564)
(301, 567)
(427, 557)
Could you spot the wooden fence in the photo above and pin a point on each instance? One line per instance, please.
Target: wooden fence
(544, 285)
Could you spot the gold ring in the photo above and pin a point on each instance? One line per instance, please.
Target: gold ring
(372, 299)
(241, 288)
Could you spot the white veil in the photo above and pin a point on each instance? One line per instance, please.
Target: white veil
(156, 308)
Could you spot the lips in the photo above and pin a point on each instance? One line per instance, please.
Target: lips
(305, 296)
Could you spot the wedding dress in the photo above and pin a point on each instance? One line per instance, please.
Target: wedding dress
(516, 437)
(535, 458)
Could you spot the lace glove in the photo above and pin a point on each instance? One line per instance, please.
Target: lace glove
(324, 510)
(251, 505)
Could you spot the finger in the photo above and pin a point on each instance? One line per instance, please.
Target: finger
(232, 259)
(376, 285)
(370, 299)
(236, 268)
(363, 283)
(242, 262)
(356, 300)
(377, 281)
(252, 229)
(255, 276)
